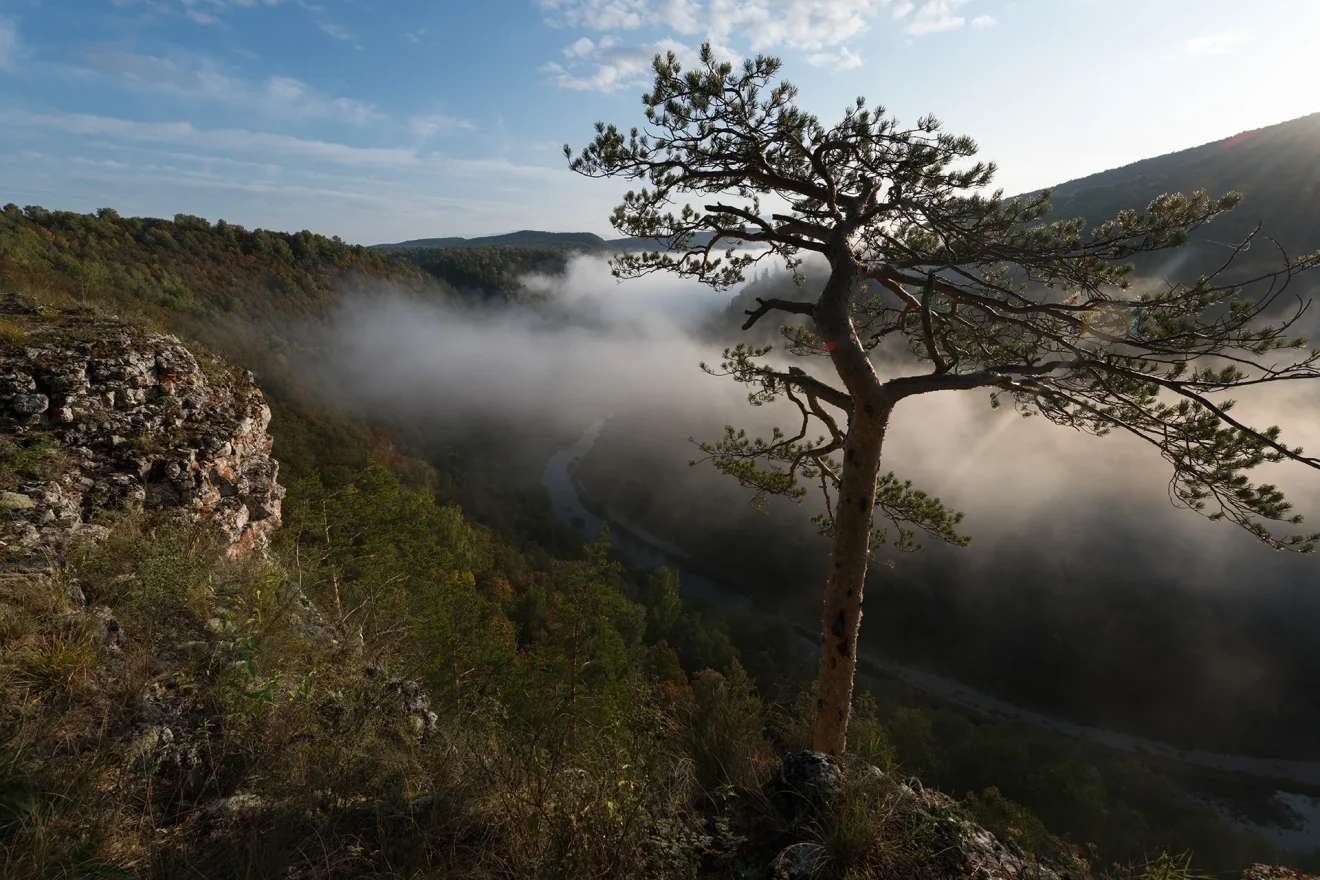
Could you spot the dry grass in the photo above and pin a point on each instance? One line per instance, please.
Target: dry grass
(57, 667)
(869, 831)
(12, 334)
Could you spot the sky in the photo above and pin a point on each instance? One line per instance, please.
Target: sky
(384, 120)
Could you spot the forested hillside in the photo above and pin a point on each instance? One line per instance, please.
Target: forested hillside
(1277, 170)
(491, 272)
(246, 293)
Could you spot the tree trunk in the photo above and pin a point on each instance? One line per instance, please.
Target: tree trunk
(842, 615)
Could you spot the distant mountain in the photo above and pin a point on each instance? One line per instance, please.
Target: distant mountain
(588, 241)
(522, 238)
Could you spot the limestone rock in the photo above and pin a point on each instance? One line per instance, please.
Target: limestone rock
(801, 861)
(415, 703)
(139, 425)
(808, 789)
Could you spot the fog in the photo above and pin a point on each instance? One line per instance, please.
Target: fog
(598, 346)
(1048, 507)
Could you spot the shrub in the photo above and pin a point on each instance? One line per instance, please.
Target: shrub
(722, 736)
(1008, 820)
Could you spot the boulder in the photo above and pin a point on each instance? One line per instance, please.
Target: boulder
(805, 787)
(801, 861)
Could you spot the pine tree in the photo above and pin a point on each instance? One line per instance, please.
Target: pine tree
(978, 291)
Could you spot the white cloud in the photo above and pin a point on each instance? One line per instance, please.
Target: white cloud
(1214, 44)
(793, 24)
(983, 21)
(608, 67)
(338, 31)
(8, 44)
(266, 148)
(683, 16)
(815, 26)
(415, 36)
(224, 140)
(197, 77)
(581, 49)
(603, 15)
(935, 16)
(605, 77)
(431, 124)
(844, 59)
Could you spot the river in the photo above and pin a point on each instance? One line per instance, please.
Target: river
(648, 551)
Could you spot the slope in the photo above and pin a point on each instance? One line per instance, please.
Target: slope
(1276, 168)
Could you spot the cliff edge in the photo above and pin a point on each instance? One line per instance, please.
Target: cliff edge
(99, 418)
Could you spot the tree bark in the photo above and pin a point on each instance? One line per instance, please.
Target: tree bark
(842, 614)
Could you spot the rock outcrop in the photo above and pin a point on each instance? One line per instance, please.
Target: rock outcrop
(123, 419)
(810, 786)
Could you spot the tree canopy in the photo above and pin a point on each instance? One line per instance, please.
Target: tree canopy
(969, 285)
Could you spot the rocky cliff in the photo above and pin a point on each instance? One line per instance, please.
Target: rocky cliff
(99, 418)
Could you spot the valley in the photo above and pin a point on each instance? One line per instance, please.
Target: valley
(436, 622)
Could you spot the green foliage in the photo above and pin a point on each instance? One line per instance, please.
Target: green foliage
(722, 731)
(161, 572)
(915, 743)
(1007, 820)
(1172, 867)
(489, 271)
(867, 737)
(854, 834)
(185, 268)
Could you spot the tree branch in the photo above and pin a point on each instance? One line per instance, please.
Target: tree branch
(766, 306)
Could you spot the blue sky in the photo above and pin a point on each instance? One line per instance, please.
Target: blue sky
(379, 120)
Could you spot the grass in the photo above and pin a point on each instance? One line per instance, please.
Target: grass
(37, 458)
(12, 334)
(57, 667)
(1173, 867)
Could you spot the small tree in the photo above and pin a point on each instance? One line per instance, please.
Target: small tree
(979, 290)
